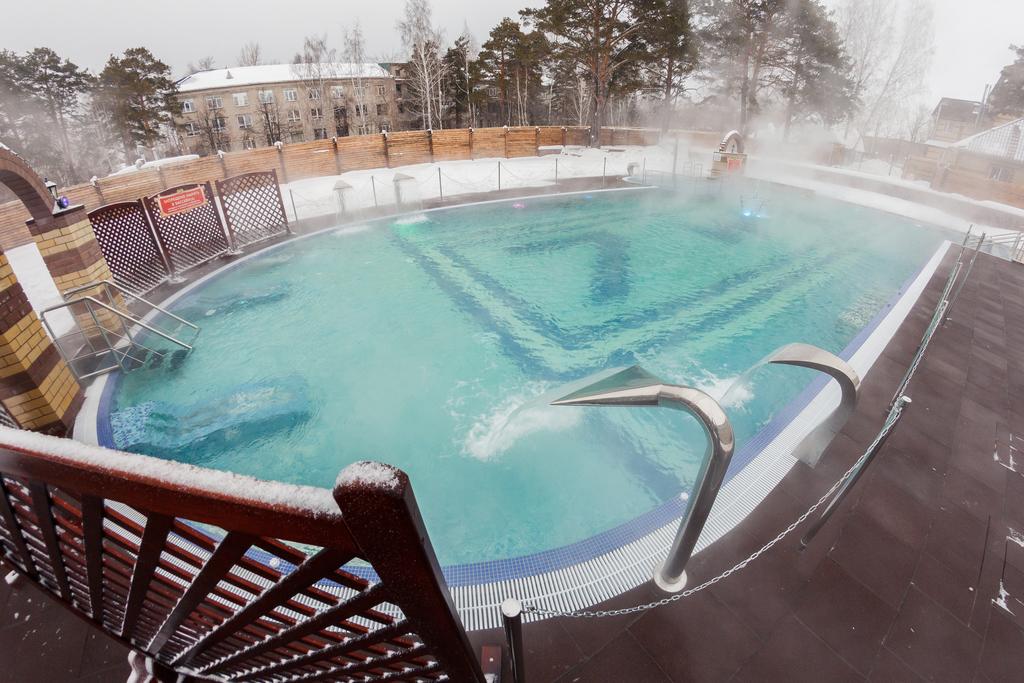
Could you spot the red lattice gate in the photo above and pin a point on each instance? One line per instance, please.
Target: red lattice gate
(229, 578)
(129, 247)
(253, 208)
(187, 224)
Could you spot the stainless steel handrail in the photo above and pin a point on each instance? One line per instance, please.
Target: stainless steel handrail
(636, 387)
(121, 314)
(128, 293)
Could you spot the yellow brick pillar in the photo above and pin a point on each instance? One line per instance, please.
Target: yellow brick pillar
(73, 257)
(36, 386)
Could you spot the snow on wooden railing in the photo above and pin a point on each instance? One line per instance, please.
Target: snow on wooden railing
(232, 578)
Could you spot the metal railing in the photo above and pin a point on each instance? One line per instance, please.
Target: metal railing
(105, 335)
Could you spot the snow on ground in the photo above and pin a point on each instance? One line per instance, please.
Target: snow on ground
(768, 170)
(317, 196)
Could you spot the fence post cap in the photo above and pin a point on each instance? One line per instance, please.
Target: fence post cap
(511, 608)
(279, 145)
(367, 476)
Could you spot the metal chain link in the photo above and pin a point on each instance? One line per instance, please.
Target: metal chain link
(891, 420)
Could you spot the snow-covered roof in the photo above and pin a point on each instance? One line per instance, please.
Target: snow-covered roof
(245, 76)
(1005, 141)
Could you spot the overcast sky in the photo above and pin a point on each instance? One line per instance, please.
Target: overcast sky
(972, 37)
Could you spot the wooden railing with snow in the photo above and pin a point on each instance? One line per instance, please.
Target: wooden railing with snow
(226, 577)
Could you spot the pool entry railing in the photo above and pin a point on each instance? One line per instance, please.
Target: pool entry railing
(217, 576)
(635, 387)
(102, 326)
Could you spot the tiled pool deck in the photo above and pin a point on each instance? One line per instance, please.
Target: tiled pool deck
(898, 587)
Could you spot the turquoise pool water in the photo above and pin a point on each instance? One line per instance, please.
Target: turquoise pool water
(434, 342)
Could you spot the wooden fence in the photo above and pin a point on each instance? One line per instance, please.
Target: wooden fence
(329, 157)
(228, 577)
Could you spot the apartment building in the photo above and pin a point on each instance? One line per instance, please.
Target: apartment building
(255, 106)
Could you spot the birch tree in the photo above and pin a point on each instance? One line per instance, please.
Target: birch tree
(422, 41)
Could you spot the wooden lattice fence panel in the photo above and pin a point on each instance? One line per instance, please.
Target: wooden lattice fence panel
(189, 238)
(230, 578)
(129, 246)
(253, 208)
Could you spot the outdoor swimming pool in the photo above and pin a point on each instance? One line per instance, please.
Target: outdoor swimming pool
(435, 341)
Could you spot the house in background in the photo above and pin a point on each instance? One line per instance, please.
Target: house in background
(953, 119)
(255, 106)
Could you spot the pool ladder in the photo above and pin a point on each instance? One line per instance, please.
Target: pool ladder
(101, 327)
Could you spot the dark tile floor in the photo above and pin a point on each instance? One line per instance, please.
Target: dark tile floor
(899, 586)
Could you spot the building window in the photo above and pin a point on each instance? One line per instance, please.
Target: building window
(220, 124)
(187, 107)
(337, 92)
(492, 91)
(340, 114)
(294, 116)
(382, 109)
(361, 110)
(398, 88)
(1001, 174)
(297, 136)
(291, 95)
(248, 143)
(314, 93)
(191, 130)
(245, 121)
(363, 130)
(214, 102)
(265, 96)
(380, 90)
(316, 113)
(360, 90)
(319, 133)
(385, 126)
(241, 99)
(401, 108)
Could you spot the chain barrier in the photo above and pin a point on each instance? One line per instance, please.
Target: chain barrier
(890, 422)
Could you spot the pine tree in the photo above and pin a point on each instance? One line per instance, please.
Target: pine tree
(457, 79)
(602, 38)
(810, 70)
(58, 86)
(1007, 97)
(672, 49)
(135, 92)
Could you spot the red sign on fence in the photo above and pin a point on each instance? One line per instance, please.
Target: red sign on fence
(181, 201)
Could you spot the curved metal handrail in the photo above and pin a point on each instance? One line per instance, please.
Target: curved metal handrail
(634, 386)
(814, 444)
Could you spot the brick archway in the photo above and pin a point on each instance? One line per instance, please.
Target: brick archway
(26, 184)
(37, 390)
